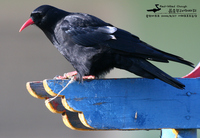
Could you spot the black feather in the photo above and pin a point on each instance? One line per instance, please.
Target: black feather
(94, 47)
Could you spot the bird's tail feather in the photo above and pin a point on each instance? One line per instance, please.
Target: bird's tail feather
(175, 58)
(145, 69)
(162, 56)
(178, 59)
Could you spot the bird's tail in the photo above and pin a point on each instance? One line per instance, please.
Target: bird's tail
(164, 57)
(177, 59)
(145, 69)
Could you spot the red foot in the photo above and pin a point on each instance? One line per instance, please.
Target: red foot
(73, 73)
(89, 77)
(67, 75)
(70, 74)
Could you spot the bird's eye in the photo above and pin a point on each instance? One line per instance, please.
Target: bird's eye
(38, 15)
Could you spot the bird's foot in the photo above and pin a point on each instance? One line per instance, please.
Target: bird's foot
(71, 74)
(89, 77)
(66, 75)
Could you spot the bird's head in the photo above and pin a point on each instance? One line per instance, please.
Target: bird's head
(45, 17)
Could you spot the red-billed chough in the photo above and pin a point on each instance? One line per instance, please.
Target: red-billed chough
(94, 47)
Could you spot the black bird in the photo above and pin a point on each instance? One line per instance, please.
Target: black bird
(94, 47)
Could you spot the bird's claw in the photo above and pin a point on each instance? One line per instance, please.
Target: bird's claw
(89, 77)
(66, 75)
(69, 75)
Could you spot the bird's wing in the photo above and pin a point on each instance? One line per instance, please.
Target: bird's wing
(89, 36)
(131, 45)
(87, 30)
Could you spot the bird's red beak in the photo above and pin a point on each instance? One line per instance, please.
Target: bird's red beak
(26, 24)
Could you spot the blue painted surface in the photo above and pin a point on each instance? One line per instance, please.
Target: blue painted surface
(134, 103)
